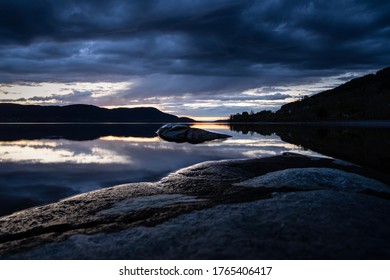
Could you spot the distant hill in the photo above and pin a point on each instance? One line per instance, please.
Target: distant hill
(364, 98)
(83, 113)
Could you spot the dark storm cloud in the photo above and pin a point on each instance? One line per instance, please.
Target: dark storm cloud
(276, 96)
(250, 98)
(191, 47)
(73, 97)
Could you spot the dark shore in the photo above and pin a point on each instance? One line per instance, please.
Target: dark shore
(282, 207)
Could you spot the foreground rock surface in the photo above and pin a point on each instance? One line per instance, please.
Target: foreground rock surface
(282, 207)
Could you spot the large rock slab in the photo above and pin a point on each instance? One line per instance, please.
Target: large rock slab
(283, 207)
(302, 225)
(315, 177)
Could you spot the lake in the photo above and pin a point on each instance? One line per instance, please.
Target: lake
(43, 163)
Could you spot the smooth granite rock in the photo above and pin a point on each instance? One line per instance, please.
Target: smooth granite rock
(302, 225)
(316, 178)
(283, 207)
(183, 133)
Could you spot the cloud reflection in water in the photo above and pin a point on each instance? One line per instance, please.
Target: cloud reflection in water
(34, 172)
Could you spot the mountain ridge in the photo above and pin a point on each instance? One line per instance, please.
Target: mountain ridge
(363, 98)
(11, 112)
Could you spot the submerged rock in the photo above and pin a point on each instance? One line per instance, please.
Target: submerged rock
(281, 207)
(183, 133)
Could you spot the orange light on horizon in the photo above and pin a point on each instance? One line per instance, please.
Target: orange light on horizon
(214, 126)
(129, 139)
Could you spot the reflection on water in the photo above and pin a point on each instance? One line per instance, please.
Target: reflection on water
(366, 146)
(77, 131)
(46, 152)
(44, 163)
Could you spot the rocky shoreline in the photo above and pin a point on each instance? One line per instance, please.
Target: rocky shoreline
(282, 207)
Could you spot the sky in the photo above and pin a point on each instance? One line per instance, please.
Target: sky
(205, 59)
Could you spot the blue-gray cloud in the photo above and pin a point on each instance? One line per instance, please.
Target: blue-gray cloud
(203, 48)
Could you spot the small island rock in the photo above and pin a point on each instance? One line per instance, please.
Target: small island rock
(183, 133)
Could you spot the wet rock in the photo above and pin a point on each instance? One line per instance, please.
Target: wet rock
(144, 202)
(316, 178)
(183, 133)
(303, 225)
(283, 207)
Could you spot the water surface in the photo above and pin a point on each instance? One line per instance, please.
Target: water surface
(42, 163)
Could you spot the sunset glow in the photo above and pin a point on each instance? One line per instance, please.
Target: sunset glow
(177, 58)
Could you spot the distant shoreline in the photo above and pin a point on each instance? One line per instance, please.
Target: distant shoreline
(89, 123)
(363, 123)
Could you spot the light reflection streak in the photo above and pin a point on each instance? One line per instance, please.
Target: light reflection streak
(130, 139)
(30, 153)
(31, 143)
(211, 126)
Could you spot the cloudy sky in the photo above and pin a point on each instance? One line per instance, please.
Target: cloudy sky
(199, 58)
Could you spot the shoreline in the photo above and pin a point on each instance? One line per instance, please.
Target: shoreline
(362, 123)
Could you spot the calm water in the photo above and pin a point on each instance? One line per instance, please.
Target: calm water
(44, 163)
